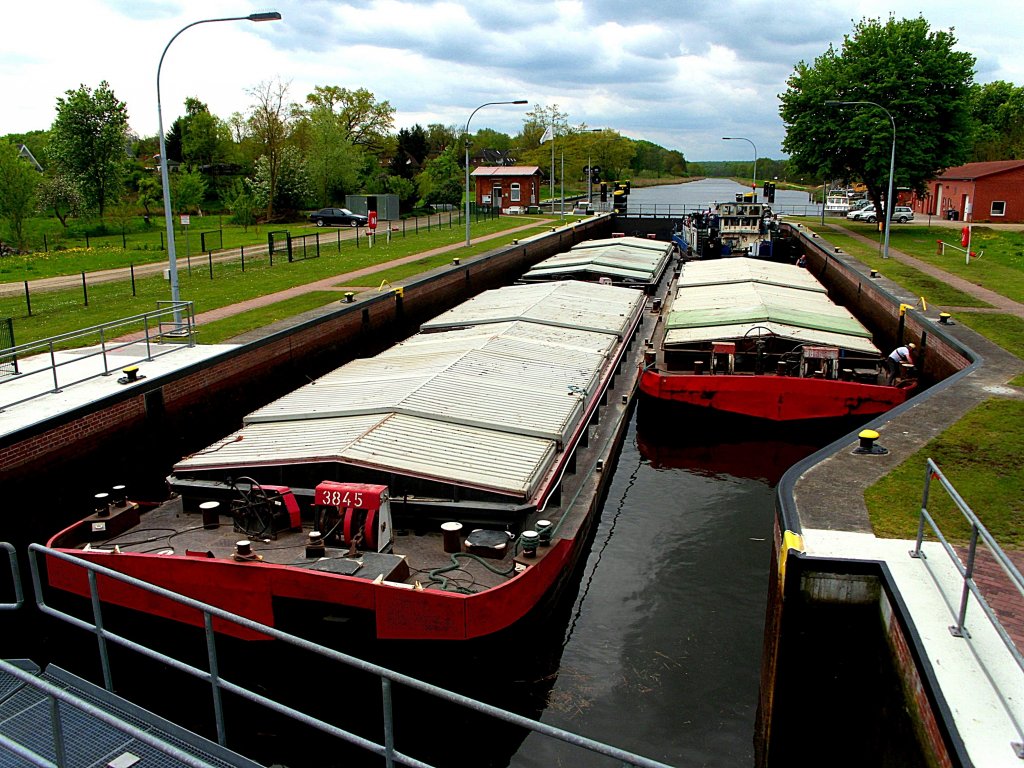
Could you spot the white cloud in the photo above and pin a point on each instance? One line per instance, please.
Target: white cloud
(681, 74)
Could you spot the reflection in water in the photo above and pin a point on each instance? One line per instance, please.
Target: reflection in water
(662, 656)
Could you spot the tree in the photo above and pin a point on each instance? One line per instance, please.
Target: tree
(442, 179)
(291, 189)
(241, 204)
(410, 152)
(365, 122)
(269, 124)
(905, 68)
(60, 193)
(18, 181)
(188, 190)
(89, 142)
(203, 136)
(997, 109)
(440, 137)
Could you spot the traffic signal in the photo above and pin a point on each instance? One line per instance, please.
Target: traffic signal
(604, 191)
(769, 191)
(595, 175)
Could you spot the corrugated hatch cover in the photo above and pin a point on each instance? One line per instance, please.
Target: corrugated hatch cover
(484, 395)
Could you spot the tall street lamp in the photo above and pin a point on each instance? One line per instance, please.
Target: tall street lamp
(488, 104)
(753, 184)
(889, 203)
(168, 216)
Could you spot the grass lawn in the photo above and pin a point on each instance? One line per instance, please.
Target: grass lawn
(1005, 330)
(981, 456)
(934, 290)
(59, 312)
(1000, 267)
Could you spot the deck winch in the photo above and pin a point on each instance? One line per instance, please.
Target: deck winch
(262, 511)
(355, 515)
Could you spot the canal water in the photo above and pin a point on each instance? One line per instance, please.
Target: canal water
(655, 649)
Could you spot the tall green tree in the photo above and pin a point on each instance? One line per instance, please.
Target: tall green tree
(365, 121)
(269, 125)
(89, 141)
(907, 69)
(442, 179)
(411, 152)
(18, 182)
(204, 138)
(998, 112)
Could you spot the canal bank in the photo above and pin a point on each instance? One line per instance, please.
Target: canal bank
(961, 689)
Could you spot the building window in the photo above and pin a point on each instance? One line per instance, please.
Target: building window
(514, 191)
(998, 208)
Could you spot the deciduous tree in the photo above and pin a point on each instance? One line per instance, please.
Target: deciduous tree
(18, 181)
(269, 125)
(910, 71)
(89, 141)
(60, 194)
(364, 121)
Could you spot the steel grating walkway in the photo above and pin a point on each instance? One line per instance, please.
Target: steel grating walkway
(26, 721)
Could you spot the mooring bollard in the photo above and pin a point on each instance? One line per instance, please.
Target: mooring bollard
(867, 443)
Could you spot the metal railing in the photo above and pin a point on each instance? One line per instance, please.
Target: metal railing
(170, 322)
(679, 210)
(970, 587)
(219, 685)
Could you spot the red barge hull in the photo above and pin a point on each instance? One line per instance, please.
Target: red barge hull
(775, 398)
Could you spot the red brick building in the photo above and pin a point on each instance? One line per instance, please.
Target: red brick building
(994, 190)
(504, 187)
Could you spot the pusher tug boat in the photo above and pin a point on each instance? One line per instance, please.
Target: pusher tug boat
(441, 490)
(762, 340)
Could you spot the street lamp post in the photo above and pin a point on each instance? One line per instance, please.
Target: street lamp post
(889, 203)
(753, 184)
(168, 216)
(488, 104)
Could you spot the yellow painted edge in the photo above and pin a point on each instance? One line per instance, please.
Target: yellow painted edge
(790, 541)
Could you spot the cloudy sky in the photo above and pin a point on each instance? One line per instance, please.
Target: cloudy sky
(675, 72)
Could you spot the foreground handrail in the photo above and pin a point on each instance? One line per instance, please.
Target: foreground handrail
(219, 684)
(969, 586)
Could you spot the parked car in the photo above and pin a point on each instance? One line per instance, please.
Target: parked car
(901, 214)
(326, 217)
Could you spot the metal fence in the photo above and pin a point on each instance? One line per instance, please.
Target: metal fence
(968, 572)
(147, 336)
(8, 361)
(385, 749)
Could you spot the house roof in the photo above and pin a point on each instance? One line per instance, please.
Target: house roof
(977, 170)
(26, 153)
(510, 170)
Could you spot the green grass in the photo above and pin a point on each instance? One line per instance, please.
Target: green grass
(220, 331)
(70, 252)
(63, 311)
(980, 455)
(1005, 330)
(1000, 268)
(934, 290)
(1017, 381)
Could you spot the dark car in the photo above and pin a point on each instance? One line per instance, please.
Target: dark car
(337, 216)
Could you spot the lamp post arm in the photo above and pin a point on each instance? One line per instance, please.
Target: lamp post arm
(164, 180)
(488, 104)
